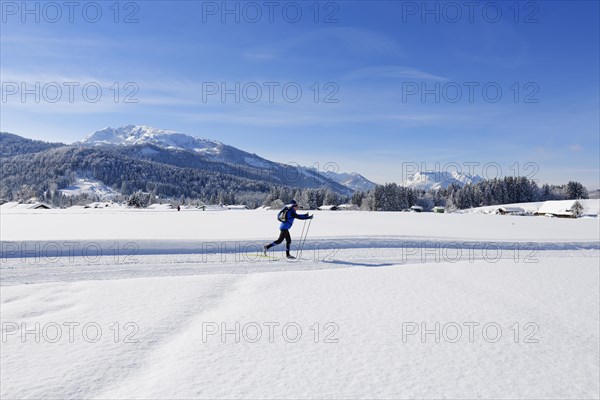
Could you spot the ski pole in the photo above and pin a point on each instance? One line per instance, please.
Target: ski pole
(300, 241)
(305, 236)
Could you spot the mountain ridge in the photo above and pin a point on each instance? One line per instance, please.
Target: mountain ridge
(427, 180)
(35, 169)
(140, 135)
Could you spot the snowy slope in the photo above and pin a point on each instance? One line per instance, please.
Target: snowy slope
(439, 180)
(91, 187)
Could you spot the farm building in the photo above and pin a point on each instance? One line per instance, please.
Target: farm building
(438, 209)
(328, 208)
(416, 209)
(237, 207)
(39, 206)
(561, 208)
(212, 207)
(347, 207)
(100, 204)
(504, 210)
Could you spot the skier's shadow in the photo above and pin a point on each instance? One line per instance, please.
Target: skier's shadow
(358, 264)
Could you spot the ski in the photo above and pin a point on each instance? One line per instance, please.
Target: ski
(274, 258)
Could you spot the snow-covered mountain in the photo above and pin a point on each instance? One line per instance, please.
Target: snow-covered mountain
(353, 180)
(144, 141)
(440, 180)
(139, 135)
(132, 135)
(212, 150)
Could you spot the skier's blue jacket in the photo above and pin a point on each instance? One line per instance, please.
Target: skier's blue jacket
(290, 216)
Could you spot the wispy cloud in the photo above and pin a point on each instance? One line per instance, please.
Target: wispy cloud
(393, 72)
(575, 148)
(260, 55)
(346, 39)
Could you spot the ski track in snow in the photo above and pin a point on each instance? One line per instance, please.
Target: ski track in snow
(39, 268)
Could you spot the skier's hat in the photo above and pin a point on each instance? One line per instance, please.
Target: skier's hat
(293, 204)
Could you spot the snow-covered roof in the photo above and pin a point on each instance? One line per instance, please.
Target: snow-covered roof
(264, 208)
(511, 209)
(348, 206)
(439, 208)
(213, 207)
(328, 207)
(238, 207)
(39, 205)
(15, 205)
(557, 207)
(102, 204)
(9, 205)
(416, 208)
(161, 206)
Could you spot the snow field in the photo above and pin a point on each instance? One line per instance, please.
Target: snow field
(386, 315)
(368, 309)
(172, 225)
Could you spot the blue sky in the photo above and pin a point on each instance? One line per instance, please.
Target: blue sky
(391, 69)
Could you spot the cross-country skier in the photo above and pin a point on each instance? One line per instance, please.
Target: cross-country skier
(285, 226)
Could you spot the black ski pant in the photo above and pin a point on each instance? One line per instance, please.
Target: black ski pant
(284, 234)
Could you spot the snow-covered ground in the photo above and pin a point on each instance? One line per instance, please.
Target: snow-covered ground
(166, 304)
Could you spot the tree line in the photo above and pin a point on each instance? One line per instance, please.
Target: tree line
(507, 190)
(34, 169)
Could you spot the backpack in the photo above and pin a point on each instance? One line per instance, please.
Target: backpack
(282, 215)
